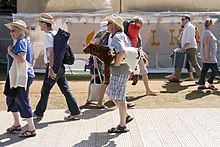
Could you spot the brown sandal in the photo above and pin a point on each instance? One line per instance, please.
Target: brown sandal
(14, 128)
(28, 133)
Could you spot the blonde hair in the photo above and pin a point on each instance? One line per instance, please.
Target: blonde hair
(138, 19)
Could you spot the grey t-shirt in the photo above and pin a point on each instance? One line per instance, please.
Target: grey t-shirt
(119, 41)
(212, 47)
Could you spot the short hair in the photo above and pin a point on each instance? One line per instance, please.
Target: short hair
(186, 16)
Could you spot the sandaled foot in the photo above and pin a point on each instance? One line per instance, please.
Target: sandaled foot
(100, 107)
(130, 105)
(28, 133)
(118, 129)
(88, 103)
(14, 128)
(189, 79)
(212, 87)
(177, 80)
(129, 119)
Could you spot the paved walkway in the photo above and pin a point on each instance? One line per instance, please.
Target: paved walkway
(151, 127)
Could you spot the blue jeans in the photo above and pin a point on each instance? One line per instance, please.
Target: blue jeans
(64, 87)
(205, 68)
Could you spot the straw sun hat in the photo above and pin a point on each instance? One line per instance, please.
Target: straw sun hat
(19, 24)
(45, 17)
(116, 19)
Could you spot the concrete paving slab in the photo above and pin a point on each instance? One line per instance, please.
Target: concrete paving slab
(183, 127)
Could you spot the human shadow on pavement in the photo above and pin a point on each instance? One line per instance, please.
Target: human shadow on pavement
(98, 139)
(92, 113)
(196, 94)
(174, 87)
(7, 138)
(134, 98)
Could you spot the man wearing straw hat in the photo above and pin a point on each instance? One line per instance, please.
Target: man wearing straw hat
(46, 22)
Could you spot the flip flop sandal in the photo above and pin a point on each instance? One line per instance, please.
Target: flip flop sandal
(130, 105)
(14, 128)
(28, 133)
(118, 129)
(129, 119)
(100, 107)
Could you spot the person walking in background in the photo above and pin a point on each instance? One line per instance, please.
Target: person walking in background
(120, 72)
(20, 56)
(141, 65)
(208, 52)
(101, 38)
(187, 64)
(189, 45)
(45, 22)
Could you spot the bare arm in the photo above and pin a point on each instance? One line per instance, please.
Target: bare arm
(184, 47)
(206, 46)
(119, 57)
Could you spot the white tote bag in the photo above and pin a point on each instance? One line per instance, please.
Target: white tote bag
(95, 88)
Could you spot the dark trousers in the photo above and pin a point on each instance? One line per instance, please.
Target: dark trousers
(205, 68)
(21, 103)
(64, 87)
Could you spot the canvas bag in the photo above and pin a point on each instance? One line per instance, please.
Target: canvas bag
(95, 87)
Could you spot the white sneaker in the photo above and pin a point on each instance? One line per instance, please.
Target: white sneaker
(73, 117)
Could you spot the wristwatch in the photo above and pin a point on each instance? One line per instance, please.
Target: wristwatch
(50, 67)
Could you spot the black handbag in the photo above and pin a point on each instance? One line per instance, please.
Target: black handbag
(10, 92)
(69, 57)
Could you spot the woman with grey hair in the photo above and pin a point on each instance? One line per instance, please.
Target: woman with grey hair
(120, 72)
(20, 67)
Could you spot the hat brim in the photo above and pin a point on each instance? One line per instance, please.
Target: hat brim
(46, 20)
(120, 25)
(10, 25)
(103, 29)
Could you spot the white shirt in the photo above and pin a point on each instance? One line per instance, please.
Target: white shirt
(49, 39)
(189, 36)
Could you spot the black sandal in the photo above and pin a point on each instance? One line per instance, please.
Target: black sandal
(129, 119)
(118, 129)
(130, 105)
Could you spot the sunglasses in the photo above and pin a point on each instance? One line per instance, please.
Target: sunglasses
(183, 19)
(12, 31)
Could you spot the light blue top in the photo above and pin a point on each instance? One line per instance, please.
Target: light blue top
(212, 47)
(119, 41)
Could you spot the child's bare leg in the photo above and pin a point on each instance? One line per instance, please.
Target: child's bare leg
(119, 57)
